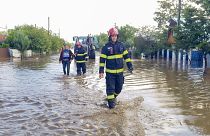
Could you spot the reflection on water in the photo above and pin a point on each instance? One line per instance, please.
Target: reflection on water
(184, 94)
(37, 99)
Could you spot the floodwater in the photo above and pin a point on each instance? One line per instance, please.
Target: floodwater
(157, 99)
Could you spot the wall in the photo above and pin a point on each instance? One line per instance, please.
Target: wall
(4, 53)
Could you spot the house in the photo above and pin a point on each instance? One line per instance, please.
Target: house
(4, 52)
(2, 38)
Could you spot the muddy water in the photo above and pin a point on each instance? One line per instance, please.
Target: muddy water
(158, 99)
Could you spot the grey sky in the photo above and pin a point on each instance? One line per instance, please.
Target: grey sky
(77, 17)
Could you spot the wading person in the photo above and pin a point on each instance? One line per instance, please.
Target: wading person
(66, 57)
(81, 58)
(113, 55)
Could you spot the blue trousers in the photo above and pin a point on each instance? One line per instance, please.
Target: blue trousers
(114, 84)
(66, 65)
(81, 66)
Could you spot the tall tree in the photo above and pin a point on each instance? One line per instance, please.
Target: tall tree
(194, 28)
(167, 10)
(145, 42)
(127, 34)
(21, 42)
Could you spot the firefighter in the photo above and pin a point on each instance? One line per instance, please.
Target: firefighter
(66, 57)
(113, 55)
(81, 58)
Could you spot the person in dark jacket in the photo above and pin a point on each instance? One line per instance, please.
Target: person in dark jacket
(113, 55)
(66, 57)
(80, 57)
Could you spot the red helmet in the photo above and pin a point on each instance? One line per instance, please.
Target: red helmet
(78, 43)
(113, 31)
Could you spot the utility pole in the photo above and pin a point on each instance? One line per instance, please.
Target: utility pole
(48, 25)
(59, 33)
(179, 12)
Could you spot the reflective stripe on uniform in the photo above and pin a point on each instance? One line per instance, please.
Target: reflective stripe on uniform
(114, 71)
(118, 56)
(102, 64)
(103, 56)
(116, 94)
(81, 54)
(128, 60)
(109, 97)
(81, 61)
(125, 52)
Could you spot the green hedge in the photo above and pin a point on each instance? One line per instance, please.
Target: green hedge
(4, 45)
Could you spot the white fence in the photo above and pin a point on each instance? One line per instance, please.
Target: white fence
(16, 54)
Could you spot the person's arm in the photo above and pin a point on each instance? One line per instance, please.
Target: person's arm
(127, 59)
(71, 55)
(61, 56)
(75, 52)
(85, 55)
(103, 57)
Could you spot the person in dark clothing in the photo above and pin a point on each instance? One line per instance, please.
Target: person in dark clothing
(66, 57)
(113, 55)
(81, 58)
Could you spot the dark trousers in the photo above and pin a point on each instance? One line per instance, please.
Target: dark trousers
(114, 84)
(81, 66)
(66, 64)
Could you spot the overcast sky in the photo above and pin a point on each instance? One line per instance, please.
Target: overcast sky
(77, 17)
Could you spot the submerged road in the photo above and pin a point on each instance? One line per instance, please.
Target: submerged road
(157, 99)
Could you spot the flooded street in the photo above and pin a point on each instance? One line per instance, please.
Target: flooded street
(157, 99)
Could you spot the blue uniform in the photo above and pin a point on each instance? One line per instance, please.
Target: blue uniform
(80, 57)
(113, 56)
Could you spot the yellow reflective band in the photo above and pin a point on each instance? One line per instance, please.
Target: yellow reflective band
(110, 97)
(114, 71)
(85, 53)
(102, 64)
(80, 54)
(81, 61)
(125, 52)
(115, 94)
(103, 56)
(118, 56)
(128, 60)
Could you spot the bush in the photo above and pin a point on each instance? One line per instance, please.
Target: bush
(4, 45)
(136, 54)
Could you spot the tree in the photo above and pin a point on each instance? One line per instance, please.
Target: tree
(102, 39)
(167, 10)
(127, 34)
(56, 43)
(21, 42)
(40, 40)
(145, 42)
(194, 28)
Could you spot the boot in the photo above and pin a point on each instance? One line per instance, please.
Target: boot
(111, 104)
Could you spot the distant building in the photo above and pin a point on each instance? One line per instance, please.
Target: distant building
(2, 38)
